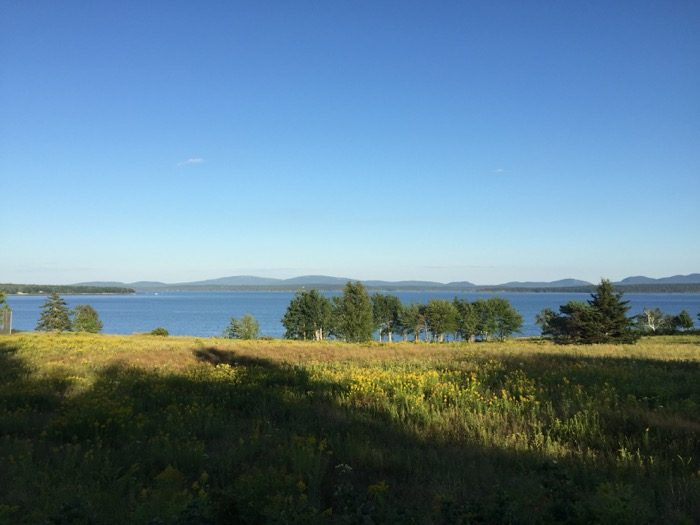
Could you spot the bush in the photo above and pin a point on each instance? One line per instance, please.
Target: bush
(160, 331)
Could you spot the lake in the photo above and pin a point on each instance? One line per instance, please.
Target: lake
(208, 313)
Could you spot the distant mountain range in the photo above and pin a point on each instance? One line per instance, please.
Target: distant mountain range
(238, 282)
(693, 278)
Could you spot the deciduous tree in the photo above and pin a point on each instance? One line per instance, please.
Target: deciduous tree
(86, 319)
(441, 317)
(308, 316)
(506, 319)
(652, 320)
(247, 327)
(386, 310)
(352, 313)
(412, 320)
(467, 319)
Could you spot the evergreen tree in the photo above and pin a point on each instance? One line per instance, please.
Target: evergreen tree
(352, 313)
(86, 319)
(576, 323)
(601, 320)
(613, 324)
(55, 316)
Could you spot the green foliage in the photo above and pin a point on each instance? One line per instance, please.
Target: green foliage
(612, 321)
(86, 319)
(467, 319)
(412, 320)
(506, 320)
(352, 313)
(55, 316)
(308, 316)
(247, 327)
(576, 322)
(441, 317)
(386, 312)
(684, 321)
(160, 331)
(601, 320)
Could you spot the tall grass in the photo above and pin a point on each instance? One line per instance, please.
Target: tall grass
(140, 429)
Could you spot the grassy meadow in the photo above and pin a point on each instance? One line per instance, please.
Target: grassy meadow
(150, 430)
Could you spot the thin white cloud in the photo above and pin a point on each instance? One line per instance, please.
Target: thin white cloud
(190, 161)
(498, 171)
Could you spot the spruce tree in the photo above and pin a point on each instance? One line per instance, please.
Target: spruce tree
(603, 319)
(613, 323)
(55, 316)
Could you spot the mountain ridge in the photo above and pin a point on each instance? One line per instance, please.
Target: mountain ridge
(252, 281)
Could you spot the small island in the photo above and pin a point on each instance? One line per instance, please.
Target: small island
(69, 289)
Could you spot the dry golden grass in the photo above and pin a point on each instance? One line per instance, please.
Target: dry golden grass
(94, 351)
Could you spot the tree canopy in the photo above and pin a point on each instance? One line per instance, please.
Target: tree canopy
(354, 316)
(86, 319)
(352, 313)
(386, 312)
(441, 317)
(247, 327)
(308, 316)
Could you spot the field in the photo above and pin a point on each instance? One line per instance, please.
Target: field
(143, 429)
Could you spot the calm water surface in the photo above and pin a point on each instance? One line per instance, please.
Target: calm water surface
(207, 314)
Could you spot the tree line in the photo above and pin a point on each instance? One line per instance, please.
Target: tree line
(41, 289)
(355, 316)
(604, 319)
(57, 317)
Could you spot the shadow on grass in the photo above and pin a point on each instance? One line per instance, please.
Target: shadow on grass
(257, 441)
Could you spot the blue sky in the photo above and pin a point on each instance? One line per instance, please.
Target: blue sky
(481, 141)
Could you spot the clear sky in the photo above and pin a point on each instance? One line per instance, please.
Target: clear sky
(481, 141)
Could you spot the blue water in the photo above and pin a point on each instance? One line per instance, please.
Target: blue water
(207, 314)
